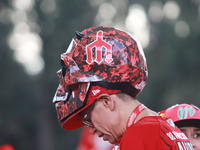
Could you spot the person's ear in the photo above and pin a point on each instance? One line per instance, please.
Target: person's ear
(107, 101)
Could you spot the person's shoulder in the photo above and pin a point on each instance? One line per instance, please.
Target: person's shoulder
(149, 120)
(145, 124)
(143, 129)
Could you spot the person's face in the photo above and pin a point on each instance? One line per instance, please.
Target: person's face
(100, 117)
(193, 134)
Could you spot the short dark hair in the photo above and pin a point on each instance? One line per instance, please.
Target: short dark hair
(124, 96)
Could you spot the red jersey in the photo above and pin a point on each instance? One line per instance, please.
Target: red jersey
(154, 133)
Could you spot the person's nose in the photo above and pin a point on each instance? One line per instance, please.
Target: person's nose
(92, 130)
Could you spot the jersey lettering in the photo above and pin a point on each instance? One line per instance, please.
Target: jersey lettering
(176, 135)
(188, 145)
(184, 145)
(180, 135)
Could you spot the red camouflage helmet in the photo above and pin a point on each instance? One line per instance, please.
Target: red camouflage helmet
(98, 60)
(183, 115)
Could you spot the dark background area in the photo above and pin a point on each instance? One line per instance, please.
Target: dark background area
(28, 118)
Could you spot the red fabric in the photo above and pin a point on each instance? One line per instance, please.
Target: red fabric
(150, 133)
(6, 147)
(135, 113)
(95, 91)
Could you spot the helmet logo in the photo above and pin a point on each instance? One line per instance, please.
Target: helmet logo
(99, 44)
(186, 110)
(95, 92)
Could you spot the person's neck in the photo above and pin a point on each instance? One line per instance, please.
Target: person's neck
(144, 113)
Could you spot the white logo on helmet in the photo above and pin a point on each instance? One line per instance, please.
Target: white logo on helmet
(99, 44)
(140, 86)
(95, 92)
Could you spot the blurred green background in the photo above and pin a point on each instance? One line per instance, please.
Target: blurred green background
(33, 34)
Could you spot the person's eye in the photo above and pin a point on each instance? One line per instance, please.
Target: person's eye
(197, 135)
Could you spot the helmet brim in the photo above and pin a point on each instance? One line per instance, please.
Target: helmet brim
(75, 121)
(188, 123)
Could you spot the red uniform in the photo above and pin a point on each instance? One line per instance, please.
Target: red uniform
(6, 147)
(154, 133)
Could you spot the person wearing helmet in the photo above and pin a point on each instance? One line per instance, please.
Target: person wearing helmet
(103, 70)
(187, 118)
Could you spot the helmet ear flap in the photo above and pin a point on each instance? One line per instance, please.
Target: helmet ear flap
(79, 35)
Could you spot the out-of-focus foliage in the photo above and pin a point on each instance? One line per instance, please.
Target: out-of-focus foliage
(27, 115)
(173, 61)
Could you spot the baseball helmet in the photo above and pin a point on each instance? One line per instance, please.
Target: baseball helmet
(183, 115)
(98, 60)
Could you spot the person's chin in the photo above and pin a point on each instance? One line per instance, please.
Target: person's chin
(110, 140)
(105, 138)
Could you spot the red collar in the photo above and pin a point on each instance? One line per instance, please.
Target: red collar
(135, 113)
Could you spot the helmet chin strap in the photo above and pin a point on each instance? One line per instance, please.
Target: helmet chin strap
(135, 113)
